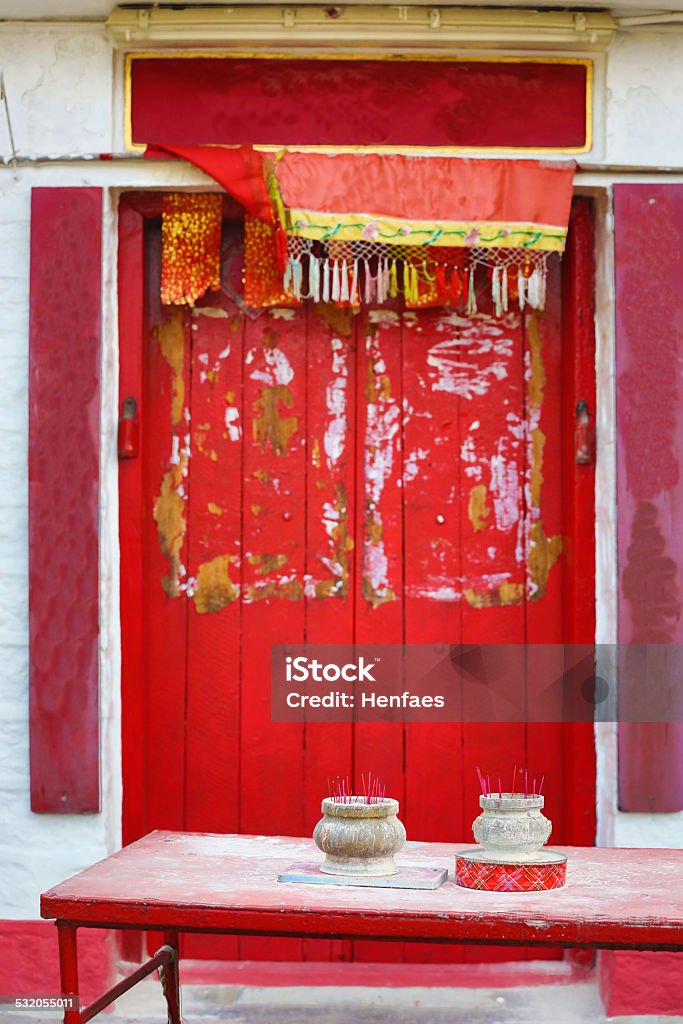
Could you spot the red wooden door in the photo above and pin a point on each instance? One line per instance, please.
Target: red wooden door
(311, 475)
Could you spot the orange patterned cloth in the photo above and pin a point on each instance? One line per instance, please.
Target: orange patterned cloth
(190, 246)
(263, 278)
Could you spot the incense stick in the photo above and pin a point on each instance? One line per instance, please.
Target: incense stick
(486, 790)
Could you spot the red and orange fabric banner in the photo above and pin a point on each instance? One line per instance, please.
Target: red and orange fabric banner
(382, 209)
(426, 200)
(237, 169)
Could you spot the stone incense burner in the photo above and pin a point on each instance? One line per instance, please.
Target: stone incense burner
(359, 837)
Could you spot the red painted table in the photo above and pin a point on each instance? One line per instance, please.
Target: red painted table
(181, 882)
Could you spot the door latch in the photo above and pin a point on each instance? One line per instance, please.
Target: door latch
(584, 436)
(128, 442)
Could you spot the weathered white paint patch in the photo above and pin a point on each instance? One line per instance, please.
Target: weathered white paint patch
(330, 519)
(309, 583)
(445, 592)
(468, 455)
(516, 426)
(505, 489)
(461, 376)
(411, 465)
(494, 579)
(335, 433)
(189, 586)
(186, 450)
(209, 375)
(277, 370)
(283, 313)
(469, 362)
(528, 429)
(382, 429)
(467, 450)
(232, 416)
(376, 566)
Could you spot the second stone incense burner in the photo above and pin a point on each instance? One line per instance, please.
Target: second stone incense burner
(512, 826)
(511, 832)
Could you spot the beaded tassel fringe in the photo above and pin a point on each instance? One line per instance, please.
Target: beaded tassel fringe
(352, 273)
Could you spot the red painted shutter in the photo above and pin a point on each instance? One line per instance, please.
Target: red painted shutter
(649, 319)
(64, 428)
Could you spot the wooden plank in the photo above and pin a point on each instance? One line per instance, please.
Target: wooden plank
(616, 897)
(546, 569)
(63, 441)
(211, 798)
(131, 509)
(649, 220)
(431, 487)
(578, 384)
(214, 556)
(379, 746)
(330, 539)
(131, 484)
(167, 358)
(273, 563)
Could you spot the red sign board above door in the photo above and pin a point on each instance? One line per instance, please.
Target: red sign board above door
(494, 104)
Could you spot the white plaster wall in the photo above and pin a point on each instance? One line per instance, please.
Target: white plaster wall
(644, 98)
(59, 81)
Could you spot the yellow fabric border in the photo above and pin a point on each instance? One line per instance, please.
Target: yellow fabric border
(363, 227)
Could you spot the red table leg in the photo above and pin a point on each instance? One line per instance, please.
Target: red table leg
(68, 968)
(170, 979)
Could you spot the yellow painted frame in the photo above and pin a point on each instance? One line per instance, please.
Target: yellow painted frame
(270, 147)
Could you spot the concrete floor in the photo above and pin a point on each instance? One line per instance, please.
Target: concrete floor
(561, 1004)
(548, 1004)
